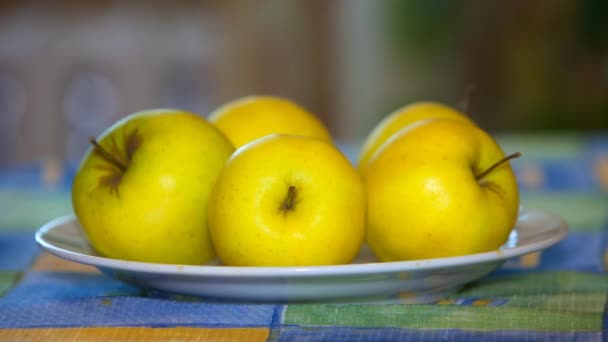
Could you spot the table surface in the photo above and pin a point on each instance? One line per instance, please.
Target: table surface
(559, 293)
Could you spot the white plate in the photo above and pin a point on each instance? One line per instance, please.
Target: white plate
(363, 281)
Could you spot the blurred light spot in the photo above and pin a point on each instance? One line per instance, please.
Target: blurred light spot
(183, 89)
(167, 182)
(530, 260)
(472, 301)
(482, 302)
(601, 170)
(532, 176)
(51, 263)
(77, 143)
(52, 171)
(407, 295)
(434, 187)
(90, 101)
(13, 101)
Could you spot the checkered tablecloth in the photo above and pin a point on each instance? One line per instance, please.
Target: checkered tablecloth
(560, 293)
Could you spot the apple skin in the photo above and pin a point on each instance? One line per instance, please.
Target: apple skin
(249, 225)
(156, 210)
(401, 118)
(424, 200)
(252, 117)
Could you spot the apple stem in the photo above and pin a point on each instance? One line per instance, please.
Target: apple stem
(107, 155)
(465, 103)
(290, 200)
(497, 164)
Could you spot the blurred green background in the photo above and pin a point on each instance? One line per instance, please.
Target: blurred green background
(536, 65)
(68, 69)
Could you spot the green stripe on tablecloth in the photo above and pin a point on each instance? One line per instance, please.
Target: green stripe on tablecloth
(561, 291)
(7, 280)
(443, 316)
(560, 301)
(28, 210)
(543, 146)
(581, 211)
(538, 283)
(564, 302)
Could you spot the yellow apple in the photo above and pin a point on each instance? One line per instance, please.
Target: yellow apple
(142, 189)
(439, 188)
(399, 119)
(287, 201)
(248, 118)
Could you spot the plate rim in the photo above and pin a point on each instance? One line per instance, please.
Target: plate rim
(496, 256)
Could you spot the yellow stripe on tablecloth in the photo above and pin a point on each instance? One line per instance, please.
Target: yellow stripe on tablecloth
(49, 262)
(135, 334)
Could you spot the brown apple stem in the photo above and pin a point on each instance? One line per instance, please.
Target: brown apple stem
(290, 199)
(107, 155)
(497, 164)
(465, 103)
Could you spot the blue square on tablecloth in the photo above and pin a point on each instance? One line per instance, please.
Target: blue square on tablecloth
(38, 287)
(571, 175)
(17, 250)
(23, 176)
(30, 176)
(597, 144)
(337, 334)
(49, 299)
(580, 251)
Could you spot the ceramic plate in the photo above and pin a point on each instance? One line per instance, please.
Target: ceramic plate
(364, 280)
